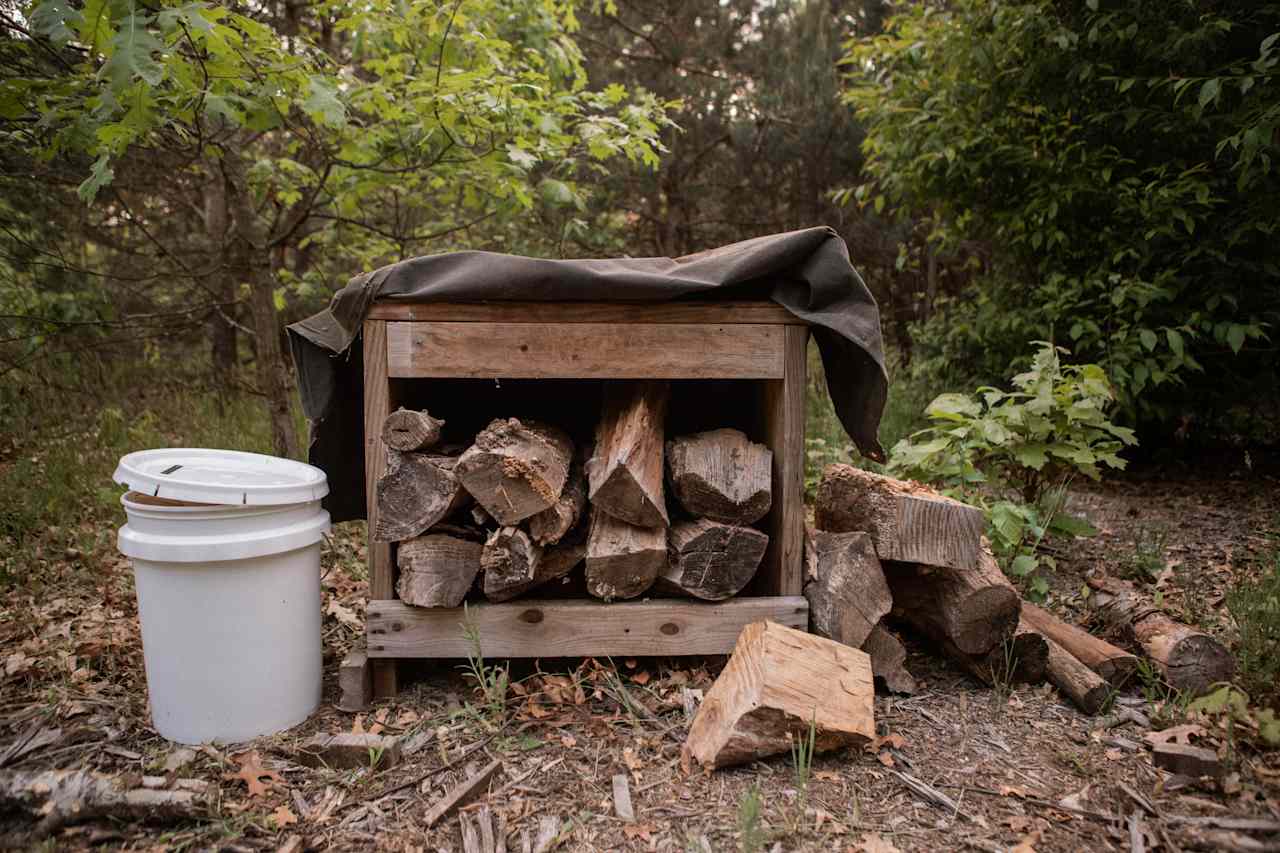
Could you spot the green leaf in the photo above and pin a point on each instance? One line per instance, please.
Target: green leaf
(556, 193)
(1072, 525)
(1209, 91)
(101, 175)
(1175, 341)
(1034, 456)
(1023, 565)
(322, 103)
(54, 19)
(1235, 337)
(954, 407)
(1148, 339)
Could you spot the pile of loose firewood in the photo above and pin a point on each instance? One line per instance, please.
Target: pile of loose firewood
(523, 506)
(892, 552)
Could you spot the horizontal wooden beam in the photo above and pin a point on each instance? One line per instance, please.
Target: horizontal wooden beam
(755, 312)
(584, 351)
(574, 628)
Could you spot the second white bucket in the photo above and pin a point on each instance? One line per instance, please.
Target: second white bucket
(228, 592)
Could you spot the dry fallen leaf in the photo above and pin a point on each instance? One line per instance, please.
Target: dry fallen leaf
(1114, 755)
(568, 741)
(1013, 791)
(643, 831)
(827, 776)
(252, 773)
(1027, 844)
(357, 725)
(1175, 734)
(885, 758)
(283, 816)
(873, 843)
(631, 759)
(641, 678)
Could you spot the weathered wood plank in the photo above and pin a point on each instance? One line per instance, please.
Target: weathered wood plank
(575, 628)
(781, 571)
(586, 312)
(377, 406)
(586, 350)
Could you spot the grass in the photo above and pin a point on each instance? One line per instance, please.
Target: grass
(1255, 606)
(751, 834)
(491, 681)
(1148, 559)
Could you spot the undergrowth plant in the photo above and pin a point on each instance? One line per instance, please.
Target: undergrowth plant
(751, 835)
(1255, 607)
(802, 764)
(1014, 453)
(491, 681)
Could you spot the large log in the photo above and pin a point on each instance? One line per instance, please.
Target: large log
(437, 570)
(406, 429)
(60, 797)
(710, 560)
(778, 683)
(976, 609)
(1021, 659)
(623, 560)
(888, 659)
(1114, 664)
(418, 490)
(550, 525)
(907, 521)
(845, 586)
(556, 561)
(516, 468)
(625, 473)
(721, 475)
(1189, 659)
(1082, 686)
(509, 559)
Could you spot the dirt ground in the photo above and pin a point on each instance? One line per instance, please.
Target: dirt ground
(1001, 770)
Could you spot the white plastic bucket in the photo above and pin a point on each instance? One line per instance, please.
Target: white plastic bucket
(229, 603)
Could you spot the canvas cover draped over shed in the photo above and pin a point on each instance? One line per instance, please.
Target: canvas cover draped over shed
(807, 272)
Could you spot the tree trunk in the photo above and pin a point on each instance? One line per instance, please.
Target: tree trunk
(224, 342)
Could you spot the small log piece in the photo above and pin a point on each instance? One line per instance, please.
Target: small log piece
(405, 429)
(509, 559)
(516, 468)
(61, 797)
(907, 521)
(975, 609)
(777, 683)
(556, 561)
(710, 560)
(347, 750)
(355, 679)
(721, 475)
(624, 475)
(1084, 687)
(1186, 760)
(888, 660)
(1021, 659)
(846, 588)
(1190, 659)
(418, 490)
(550, 525)
(1114, 664)
(437, 570)
(623, 560)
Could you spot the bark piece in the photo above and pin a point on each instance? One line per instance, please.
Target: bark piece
(1084, 687)
(888, 659)
(846, 588)
(622, 798)
(348, 750)
(1190, 659)
(710, 560)
(418, 490)
(355, 679)
(777, 683)
(509, 559)
(405, 429)
(1114, 664)
(437, 570)
(721, 475)
(976, 609)
(906, 521)
(516, 468)
(1190, 761)
(624, 475)
(1021, 659)
(461, 794)
(623, 560)
(550, 525)
(61, 797)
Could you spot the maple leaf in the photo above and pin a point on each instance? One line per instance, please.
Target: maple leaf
(283, 816)
(252, 773)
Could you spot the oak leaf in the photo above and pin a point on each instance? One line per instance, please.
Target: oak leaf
(253, 774)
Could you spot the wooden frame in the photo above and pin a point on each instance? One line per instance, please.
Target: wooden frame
(691, 340)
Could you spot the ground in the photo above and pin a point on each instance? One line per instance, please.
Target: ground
(1002, 769)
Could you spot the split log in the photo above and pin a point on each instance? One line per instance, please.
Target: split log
(556, 561)
(846, 588)
(61, 797)
(710, 560)
(437, 570)
(516, 468)
(1021, 659)
(1084, 687)
(509, 558)
(888, 659)
(779, 682)
(625, 472)
(418, 490)
(906, 521)
(1189, 659)
(550, 525)
(721, 475)
(623, 560)
(347, 750)
(405, 429)
(1115, 665)
(976, 609)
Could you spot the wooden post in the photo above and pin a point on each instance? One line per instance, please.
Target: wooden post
(781, 572)
(377, 406)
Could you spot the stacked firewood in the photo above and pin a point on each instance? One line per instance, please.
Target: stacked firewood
(522, 506)
(892, 552)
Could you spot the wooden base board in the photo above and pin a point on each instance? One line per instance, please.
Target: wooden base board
(574, 628)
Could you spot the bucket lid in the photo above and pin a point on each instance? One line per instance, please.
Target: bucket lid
(220, 477)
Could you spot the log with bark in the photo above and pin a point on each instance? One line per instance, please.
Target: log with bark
(406, 429)
(777, 684)
(721, 475)
(418, 490)
(557, 561)
(845, 586)
(976, 609)
(516, 468)
(1084, 687)
(509, 559)
(1021, 659)
(906, 521)
(437, 570)
(1189, 659)
(550, 525)
(1114, 664)
(60, 797)
(710, 560)
(623, 560)
(888, 659)
(624, 474)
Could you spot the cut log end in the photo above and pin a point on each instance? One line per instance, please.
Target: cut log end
(418, 490)
(405, 429)
(847, 591)
(721, 475)
(623, 560)
(710, 560)
(1197, 662)
(437, 570)
(516, 469)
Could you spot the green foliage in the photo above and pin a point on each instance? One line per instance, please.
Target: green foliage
(491, 682)
(1013, 453)
(1147, 559)
(1255, 607)
(1232, 708)
(751, 835)
(1118, 164)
